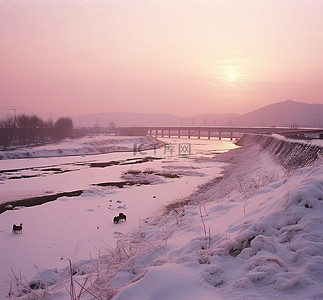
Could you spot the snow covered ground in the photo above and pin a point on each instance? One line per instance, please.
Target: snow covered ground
(81, 146)
(268, 246)
(78, 228)
(256, 233)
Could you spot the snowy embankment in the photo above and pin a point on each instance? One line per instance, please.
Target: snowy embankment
(255, 233)
(292, 154)
(82, 146)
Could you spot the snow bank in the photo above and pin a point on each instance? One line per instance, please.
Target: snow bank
(82, 146)
(292, 154)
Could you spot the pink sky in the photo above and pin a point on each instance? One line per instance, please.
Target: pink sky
(73, 57)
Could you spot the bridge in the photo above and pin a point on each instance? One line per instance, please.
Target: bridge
(216, 131)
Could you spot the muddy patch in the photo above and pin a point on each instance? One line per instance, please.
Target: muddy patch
(151, 172)
(37, 200)
(122, 184)
(104, 164)
(59, 169)
(52, 170)
(129, 161)
(33, 172)
(23, 176)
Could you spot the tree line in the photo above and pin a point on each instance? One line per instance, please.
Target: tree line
(28, 129)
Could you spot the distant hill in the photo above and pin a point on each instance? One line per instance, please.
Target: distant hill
(284, 113)
(138, 119)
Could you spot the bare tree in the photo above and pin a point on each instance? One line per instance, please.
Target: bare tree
(24, 121)
(63, 127)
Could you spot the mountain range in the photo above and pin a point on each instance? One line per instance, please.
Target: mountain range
(286, 113)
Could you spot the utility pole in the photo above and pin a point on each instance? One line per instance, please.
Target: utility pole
(14, 112)
(14, 115)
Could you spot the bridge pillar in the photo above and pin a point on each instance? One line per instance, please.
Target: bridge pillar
(156, 132)
(179, 133)
(209, 134)
(220, 135)
(169, 133)
(189, 134)
(231, 135)
(162, 132)
(199, 134)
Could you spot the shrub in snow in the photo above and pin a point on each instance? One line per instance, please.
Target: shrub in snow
(214, 275)
(45, 278)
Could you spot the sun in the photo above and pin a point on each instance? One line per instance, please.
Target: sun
(231, 76)
(231, 73)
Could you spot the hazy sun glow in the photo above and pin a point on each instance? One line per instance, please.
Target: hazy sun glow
(231, 73)
(232, 77)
